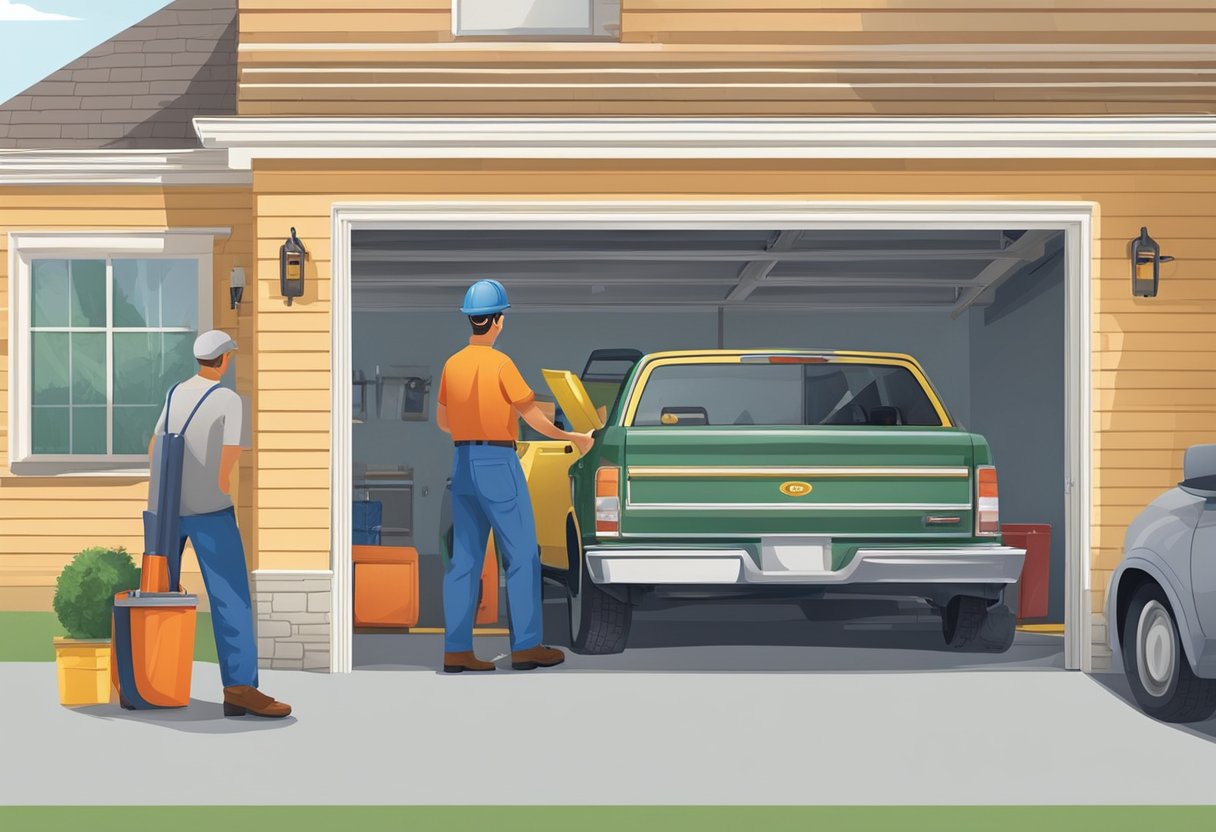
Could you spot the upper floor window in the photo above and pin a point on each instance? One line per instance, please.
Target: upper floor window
(537, 18)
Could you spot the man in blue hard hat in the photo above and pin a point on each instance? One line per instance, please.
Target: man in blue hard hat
(481, 398)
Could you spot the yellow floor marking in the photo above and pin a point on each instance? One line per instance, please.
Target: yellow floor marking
(477, 631)
(1043, 629)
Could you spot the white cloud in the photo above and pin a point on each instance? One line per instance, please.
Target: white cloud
(10, 11)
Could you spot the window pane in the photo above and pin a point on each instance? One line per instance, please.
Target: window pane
(50, 430)
(850, 394)
(724, 394)
(133, 428)
(88, 368)
(146, 364)
(49, 290)
(50, 362)
(89, 293)
(156, 293)
(89, 430)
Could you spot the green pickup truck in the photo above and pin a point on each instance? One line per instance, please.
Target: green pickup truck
(773, 474)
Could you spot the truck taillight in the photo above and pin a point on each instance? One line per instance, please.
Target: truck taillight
(987, 503)
(608, 500)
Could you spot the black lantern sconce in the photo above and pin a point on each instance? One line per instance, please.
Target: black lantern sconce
(1145, 251)
(236, 286)
(292, 257)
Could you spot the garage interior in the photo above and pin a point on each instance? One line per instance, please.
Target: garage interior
(983, 311)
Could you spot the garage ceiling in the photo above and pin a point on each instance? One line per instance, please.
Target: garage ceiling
(648, 270)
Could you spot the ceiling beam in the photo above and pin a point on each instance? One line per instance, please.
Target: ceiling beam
(1029, 247)
(669, 307)
(867, 281)
(751, 275)
(361, 254)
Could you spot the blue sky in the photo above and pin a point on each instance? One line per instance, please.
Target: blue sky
(38, 37)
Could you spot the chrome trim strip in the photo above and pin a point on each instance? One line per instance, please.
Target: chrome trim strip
(793, 430)
(838, 537)
(650, 471)
(801, 506)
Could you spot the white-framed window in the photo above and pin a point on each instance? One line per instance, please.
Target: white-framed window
(100, 327)
(537, 18)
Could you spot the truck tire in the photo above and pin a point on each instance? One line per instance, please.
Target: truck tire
(998, 630)
(1156, 665)
(599, 623)
(962, 619)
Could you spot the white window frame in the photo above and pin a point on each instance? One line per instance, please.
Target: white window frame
(24, 249)
(589, 32)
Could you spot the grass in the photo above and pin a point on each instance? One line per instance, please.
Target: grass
(592, 818)
(26, 637)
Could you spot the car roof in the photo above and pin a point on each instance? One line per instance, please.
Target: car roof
(735, 353)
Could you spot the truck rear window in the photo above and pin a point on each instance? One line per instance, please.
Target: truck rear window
(784, 394)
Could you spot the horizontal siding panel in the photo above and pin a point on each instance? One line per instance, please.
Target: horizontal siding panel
(289, 559)
(296, 460)
(298, 480)
(298, 540)
(293, 498)
(284, 380)
(293, 518)
(293, 400)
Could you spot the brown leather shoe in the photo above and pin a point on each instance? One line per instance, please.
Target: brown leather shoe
(538, 656)
(243, 699)
(460, 662)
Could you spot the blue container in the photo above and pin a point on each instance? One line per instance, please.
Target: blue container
(367, 522)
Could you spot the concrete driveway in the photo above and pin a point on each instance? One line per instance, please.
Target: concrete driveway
(776, 719)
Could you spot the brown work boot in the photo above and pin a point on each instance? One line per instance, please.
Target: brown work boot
(460, 662)
(243, 699)
(538, 656)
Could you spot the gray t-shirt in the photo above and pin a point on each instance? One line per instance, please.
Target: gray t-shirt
(217, 423)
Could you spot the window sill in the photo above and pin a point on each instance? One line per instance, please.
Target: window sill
(74, 468)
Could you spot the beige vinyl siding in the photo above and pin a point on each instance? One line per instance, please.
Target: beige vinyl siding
(45, 521)
(1154, 359)
(738, 58)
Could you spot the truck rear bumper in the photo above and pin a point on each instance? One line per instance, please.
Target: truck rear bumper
(971, 564)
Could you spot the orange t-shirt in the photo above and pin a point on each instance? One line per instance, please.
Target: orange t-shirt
(481, 387)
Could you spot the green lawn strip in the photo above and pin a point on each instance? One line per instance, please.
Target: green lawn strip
(591, 818)
(26, 637)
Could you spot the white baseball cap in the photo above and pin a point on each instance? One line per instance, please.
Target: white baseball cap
(213, 344)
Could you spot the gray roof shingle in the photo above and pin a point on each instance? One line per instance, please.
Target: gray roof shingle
(140, 89)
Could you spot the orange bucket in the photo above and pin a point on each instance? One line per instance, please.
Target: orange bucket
(153, 648)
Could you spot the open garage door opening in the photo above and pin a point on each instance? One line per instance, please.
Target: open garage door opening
(981, 311)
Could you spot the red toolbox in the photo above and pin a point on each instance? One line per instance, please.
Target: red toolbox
(1035, 582)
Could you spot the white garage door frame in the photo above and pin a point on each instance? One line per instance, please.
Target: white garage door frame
(1075, 219)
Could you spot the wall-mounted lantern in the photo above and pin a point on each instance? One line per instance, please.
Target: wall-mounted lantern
(236, 286)
(292, 256)
(1145, 251)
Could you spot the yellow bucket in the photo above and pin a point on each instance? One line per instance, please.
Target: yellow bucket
(84, 671)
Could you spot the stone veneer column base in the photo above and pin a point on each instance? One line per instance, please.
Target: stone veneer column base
(293, 618)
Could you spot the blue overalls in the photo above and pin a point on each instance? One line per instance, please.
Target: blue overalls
(489, 492)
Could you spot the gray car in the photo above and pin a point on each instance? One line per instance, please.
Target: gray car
(1162, 599)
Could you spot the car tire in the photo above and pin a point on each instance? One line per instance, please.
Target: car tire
(599, 623)
(962, 620)
(1155, 663)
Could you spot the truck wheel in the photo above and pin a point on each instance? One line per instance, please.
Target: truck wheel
(998, 630)
(962, 619)
(599, 623)
(1156, 667)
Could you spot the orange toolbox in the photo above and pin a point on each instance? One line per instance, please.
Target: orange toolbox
(386, 586)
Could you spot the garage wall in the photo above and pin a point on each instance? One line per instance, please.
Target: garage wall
(1017, 402)
(563, 341)
(38, 535)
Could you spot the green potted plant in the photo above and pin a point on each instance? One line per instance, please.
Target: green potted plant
(84, 599)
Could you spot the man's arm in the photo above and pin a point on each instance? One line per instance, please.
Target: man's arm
(441, 418)
(539, 422)
(229, 456)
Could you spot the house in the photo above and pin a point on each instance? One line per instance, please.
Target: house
(952, 180)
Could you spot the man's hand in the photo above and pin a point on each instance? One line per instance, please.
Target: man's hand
(583, 441)
(545, 427)
(225, 484)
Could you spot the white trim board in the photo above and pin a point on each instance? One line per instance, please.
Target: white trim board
(1148, 137)
(1074, 218)
(197, 166)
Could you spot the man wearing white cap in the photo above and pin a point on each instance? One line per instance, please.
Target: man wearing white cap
(208, 521)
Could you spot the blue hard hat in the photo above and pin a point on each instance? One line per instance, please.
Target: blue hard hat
(485, 297)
